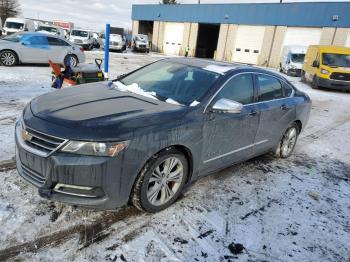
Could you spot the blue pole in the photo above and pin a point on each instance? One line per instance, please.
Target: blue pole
(108, 29)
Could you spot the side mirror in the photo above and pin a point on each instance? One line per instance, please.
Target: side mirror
(315, 64)
(227, 106)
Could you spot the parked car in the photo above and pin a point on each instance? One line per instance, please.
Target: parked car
(117, 43)
(14, 25)
(292, 60)
(327, 66)
(154, 130)
(81, 37)
(39, 48)
(51, 29)
(140, 43)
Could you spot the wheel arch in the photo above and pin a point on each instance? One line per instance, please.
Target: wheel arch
(299, 124)
(14, 51)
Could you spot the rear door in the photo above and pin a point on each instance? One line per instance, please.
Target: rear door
(34, 49)
(229, 137)
(277, 111)
(58, 49)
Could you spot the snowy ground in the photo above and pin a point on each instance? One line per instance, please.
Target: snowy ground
(295, 209)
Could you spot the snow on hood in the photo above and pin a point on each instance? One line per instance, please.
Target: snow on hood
(134, 88)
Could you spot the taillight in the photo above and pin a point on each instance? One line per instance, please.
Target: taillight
(82, 49)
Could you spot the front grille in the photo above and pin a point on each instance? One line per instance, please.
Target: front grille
(42, 142)
(142, 46)
(340, 76)
(78, 41)
(114, 43)
(32, 176)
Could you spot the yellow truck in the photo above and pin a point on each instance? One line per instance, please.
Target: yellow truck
(327, 66)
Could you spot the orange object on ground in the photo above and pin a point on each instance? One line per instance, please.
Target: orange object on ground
(56, 70)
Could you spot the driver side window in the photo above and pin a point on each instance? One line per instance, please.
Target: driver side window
(240, 89)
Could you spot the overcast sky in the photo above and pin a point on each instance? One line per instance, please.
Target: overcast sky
(94, 14)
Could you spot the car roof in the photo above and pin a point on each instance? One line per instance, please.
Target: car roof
(222, 68)
(38, 34)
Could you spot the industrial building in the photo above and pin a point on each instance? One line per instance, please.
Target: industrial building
(252, 33)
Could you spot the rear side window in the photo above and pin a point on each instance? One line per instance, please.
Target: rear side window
(269, 88)
(57, 42)
(239, 89)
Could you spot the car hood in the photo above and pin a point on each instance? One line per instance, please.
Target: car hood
(96, 109)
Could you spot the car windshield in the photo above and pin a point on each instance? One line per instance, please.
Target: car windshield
(14, 37)
(14, 25)
(80, 33)
(336, 59)
(116, 37)
(48, 29)
(297, 58)
(141, 38)
(171, 82)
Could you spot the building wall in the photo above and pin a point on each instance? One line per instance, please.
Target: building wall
(135, 27)
(277, 46)
(341, 35)
(267, 45)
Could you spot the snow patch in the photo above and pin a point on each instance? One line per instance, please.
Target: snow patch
(134, 88)
(219, 69)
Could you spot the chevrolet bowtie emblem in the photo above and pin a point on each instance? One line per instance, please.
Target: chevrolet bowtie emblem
(26, 136)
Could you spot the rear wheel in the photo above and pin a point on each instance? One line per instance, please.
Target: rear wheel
(72, 60)
(8, 58)
(161, 181)
(288, 141)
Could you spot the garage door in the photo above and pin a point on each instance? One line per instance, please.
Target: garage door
(302, 36)
(173, 35)
(249, 41)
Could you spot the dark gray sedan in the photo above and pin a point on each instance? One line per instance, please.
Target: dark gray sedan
(142, 138)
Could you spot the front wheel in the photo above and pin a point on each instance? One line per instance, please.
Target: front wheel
(8, 58)
(161, 181)
(288, 142)
(314, 84)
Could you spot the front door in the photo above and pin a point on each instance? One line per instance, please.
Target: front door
(229, 137)
(34, 49)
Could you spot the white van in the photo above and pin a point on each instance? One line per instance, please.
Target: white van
(51, 30)
(82, 37)
(292, 60)
(14, 25)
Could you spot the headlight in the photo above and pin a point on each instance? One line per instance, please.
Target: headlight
(95, 148)
(324, 71)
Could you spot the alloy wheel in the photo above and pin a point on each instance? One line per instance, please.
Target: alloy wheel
(7, 58)
(289, 141)
(165, 181)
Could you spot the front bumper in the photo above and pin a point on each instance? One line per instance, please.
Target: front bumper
(294, 72)
(116, 47)
(333, 84)
(75, 179)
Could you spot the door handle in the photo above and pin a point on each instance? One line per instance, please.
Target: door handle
(253, 113)
(284, 107)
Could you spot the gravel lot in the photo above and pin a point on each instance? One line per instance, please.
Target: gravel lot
(261, 210)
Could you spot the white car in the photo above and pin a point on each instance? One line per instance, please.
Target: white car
(141, 43)
(38, 48)
(83, 38)
(117, 43)
(51, 30)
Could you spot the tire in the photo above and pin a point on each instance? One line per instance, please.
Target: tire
(74, 61)
(8, 58)
(288, 141)
(152, 192)
(303, 79)
(314, 84)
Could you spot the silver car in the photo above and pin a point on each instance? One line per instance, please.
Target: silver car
(38, 48)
